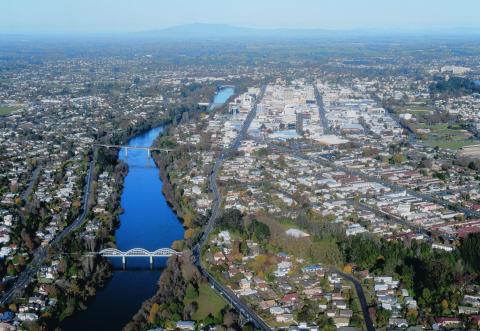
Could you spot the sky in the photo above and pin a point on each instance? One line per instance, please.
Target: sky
(92, 16)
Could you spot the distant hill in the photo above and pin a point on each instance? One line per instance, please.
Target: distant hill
(224, 31)
(202, 31)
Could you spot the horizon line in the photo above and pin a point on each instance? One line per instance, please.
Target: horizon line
(412, 29)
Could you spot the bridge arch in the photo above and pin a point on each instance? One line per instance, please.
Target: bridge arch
(110, 252)
(137, 252)
(165, 252)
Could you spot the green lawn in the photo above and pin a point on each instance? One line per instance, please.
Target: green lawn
(209, 302)
(444, 137)
(6, 110)
(453, 144)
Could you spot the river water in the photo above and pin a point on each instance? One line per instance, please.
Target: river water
(147, 222)
(223, 95)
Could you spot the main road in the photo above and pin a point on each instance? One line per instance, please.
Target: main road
(40, 253)
(225, 292)
(321, 109)
(31, 183)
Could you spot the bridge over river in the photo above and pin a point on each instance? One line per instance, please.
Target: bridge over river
(149, 150)
(136, 252)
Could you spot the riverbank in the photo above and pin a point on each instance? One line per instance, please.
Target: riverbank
(147, 222)
(198, 301)
(122, 277)
(76, 277)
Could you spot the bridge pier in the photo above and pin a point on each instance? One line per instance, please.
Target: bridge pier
(126, 152)
(124, 262)
(151, 261)
(149, 153)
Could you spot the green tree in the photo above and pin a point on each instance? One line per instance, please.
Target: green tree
(470, 251)
(383, 316)
(258, 231)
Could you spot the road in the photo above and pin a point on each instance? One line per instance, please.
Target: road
(392, 186)
(321, 110)
(361, 298)
(225, 292)
(356, 283)
(41, 253)
(32, 182)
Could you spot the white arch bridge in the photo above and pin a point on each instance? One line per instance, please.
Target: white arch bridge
(149, 150)
(137, 252)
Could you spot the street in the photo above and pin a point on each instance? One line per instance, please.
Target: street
(226, 293)
(40, 253)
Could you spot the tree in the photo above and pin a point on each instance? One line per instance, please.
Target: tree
(470, 251)
(189, 310)
(412, 315)
(445, 305)
(383, 316)
(230, 318)
(189, 233)
(191, 292)
(307, 312)
(27, 238)
(398, 158)
(232, 219)
(348, 268)
(258, 231)
(153, 313)
(364, 252)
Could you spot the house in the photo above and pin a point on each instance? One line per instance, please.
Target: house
(284, 318)
(6, 316)
(341, 321)
(282, 269)
(276, 310)
(464, 310)
(398, 322)
(7, 327)
(303, 326)
(267, 304)
(219, 257)
(290, 299)
(225, 236)
(345, 313)
(244, 284)
(381, 287)
(27, 317)
(447, 322)
(331, 313)
(355, 229)
(313, 292)
(312, 268)
(411, 303)
(340, 304)
(475, 319)
(186, 325)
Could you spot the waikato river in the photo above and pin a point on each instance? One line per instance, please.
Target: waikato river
(147, 222)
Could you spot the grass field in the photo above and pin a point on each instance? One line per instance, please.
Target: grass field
(6, 110)
(209, 302)
(455, 144)
(443, 136)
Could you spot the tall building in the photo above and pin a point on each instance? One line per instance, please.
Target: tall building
(299, 125)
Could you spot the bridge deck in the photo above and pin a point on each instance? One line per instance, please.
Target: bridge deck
(146, 148)
(137, 252)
